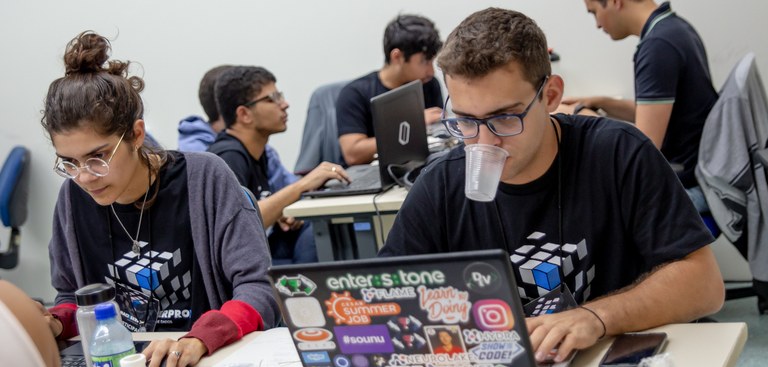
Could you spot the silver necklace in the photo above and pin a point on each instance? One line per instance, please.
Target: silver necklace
(136, 248)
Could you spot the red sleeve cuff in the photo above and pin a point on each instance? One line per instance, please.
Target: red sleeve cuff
(65, 312)
(217, 329)
(244, 315)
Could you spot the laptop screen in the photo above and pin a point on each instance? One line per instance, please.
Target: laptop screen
(446, 309)
(401, 134)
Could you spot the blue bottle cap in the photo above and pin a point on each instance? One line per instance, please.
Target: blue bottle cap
(105, 311)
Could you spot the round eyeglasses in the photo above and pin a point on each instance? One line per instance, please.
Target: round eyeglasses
(95, 166)
(507, 124)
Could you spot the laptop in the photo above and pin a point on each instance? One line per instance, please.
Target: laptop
(401, 141)
(442, 309)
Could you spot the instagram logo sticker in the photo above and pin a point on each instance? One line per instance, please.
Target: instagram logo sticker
(493, 315)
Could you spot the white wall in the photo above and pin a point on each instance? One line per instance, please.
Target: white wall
(305, 43)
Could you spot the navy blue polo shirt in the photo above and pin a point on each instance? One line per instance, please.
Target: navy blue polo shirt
(671, 67)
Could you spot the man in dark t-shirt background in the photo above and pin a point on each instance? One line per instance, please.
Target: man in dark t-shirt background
(673, 85)
(410, 44)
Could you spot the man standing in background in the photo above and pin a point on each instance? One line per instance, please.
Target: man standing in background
(673, 86)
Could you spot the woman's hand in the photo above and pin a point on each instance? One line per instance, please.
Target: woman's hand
(177, 353)
(53, 323)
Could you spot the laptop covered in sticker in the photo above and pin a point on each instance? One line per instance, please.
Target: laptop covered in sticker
(440, 309)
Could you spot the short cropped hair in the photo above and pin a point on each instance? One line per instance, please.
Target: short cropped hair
(411, 34)
(207, 93)
(489, 39)
(237, 86)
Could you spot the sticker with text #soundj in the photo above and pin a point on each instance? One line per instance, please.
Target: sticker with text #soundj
(449, 314)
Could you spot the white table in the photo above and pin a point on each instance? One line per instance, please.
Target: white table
(349, 227)
(704, 344)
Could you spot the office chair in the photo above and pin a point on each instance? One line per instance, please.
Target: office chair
(320, 140)
(732, 173)
(14, 186)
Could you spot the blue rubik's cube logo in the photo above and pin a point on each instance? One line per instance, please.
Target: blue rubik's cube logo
(545, 275)
(540, 265)
(152, 272)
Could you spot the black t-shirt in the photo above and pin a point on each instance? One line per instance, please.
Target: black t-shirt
(671, 67)
(166, 266)
(353, 106)
(250, 172)
(623, 209)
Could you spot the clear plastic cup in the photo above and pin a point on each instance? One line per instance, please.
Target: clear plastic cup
(484, 165)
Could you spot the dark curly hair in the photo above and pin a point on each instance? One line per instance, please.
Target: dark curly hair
(94, 91)
(97, 93)
(411, 34)
(237, 86)
(490, 39)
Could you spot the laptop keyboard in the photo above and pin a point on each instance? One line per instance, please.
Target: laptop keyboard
(365, 178)
(73, 361)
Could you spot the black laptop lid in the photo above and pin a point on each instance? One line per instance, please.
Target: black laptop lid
(398, 123)
(444, 309)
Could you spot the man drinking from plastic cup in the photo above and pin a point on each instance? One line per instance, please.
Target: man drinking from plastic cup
(590, 196)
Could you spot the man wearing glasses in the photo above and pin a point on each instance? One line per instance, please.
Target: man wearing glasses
(410, 44)
(253, 109)
(583, 202)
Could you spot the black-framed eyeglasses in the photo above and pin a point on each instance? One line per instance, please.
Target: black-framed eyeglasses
(276, 97)
(95, 166)
(507, 124)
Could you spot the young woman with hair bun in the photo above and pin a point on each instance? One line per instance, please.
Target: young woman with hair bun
(174, 232)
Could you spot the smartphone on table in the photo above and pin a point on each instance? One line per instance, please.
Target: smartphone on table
(629, 349)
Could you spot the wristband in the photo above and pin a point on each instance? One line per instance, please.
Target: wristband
(598, 319)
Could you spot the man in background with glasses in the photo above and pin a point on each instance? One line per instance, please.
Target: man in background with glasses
(410, 44)
(582, 202)
(196, 134)
(253, 109)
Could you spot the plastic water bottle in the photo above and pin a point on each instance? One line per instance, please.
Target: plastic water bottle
(87, 298)
(111, 341)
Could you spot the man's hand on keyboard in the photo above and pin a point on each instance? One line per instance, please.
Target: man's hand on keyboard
(323, 172)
